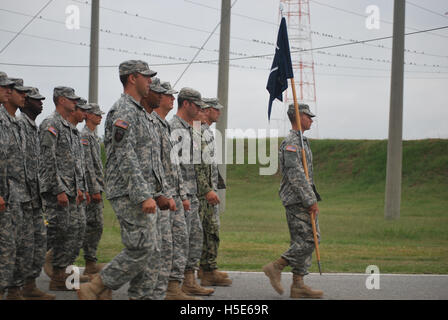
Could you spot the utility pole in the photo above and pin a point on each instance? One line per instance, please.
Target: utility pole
(94, 39)
(223, 90)
(394, 145)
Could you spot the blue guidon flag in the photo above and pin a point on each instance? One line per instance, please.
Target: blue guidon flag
(281, 69)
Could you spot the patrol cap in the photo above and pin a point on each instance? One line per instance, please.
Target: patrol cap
(303, 108)
(95, 109)
(66, 92)
(4, 80)
(191, 95)
(132, 66)
(156, 87)
(34, 94)
(82, 104)
(212, 103)
(18, 85)
(167, 86)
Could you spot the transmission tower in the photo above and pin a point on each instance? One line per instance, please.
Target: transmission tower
(298, 20)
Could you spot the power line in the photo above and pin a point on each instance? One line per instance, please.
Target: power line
(364, 16)
(426, 9)
(26, 25)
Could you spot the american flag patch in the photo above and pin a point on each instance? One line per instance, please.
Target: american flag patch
(53, 131)
(291, 148)
(122, 124)
(85, 142)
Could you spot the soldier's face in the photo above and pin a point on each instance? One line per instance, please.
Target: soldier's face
(34, 105)
(193, 109)
(69, 104)
(17, 98)
(166, 101)
(5, 94)
(213, 114)
(95, 119)
(306, 121)
(142, 83)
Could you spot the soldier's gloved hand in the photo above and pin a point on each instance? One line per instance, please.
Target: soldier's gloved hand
(186, 204)
(88, 198)
(163, 202)
(149, 206)
(80, 197)
(172, 204)
(62, 199)
(313, 209)
(2, 204)
(97, 198)
(212, 198)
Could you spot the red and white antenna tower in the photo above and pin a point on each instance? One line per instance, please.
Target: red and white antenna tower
(297, 15)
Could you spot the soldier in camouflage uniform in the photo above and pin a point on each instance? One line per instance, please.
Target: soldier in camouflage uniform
(95, 184)
(29, 113)
(133, 182)
(186, 131)
(19, 198)
(299, 197)
(207, 178)
(62, 184)
(7, 236)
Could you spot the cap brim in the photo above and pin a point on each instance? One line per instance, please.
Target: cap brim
(38, 97)
(171, 92)
(149, 72)
(73, 97)
(23, 88)
(6, 83)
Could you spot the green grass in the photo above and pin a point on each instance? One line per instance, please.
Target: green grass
(350, 176)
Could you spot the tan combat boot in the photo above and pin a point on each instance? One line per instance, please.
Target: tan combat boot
(300, 290)
(57, 282)
(31, 292)
(48, 266)
(191, 287)
(174, 292)
(213, 278)
(273, 271)
(14, 293)
(92, 267)
(94, 290)
(220, 273)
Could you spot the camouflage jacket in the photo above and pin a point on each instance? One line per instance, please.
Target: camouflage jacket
(186, 139)
(170, 161)
(133, 166)
(60, 153)
(13, 175)
(207, 170)
(32, 152)
(93, 165)
(294, 187)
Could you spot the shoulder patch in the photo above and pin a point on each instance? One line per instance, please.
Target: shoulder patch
(53, 131)
(85, 142)
(122, 124)
(291, 148)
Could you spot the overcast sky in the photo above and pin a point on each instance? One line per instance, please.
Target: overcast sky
(352, 93)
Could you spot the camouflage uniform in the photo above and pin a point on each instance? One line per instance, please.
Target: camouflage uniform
(174, 248)
(61, 171)
(18, 215)
(297, 194)
(207, 177)
(133, 174)
(95, 184)
(185, 135)
(32, 152)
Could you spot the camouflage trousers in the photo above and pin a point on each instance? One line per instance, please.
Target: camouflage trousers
(195, 236)
(39, 242)
(94, 230)
(180, 241)
(209, 215)
(65, 230)
(16, 244)
(302, 241)
(164, 226)
(140, 238)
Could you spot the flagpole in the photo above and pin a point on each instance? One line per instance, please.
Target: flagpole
(305, 167)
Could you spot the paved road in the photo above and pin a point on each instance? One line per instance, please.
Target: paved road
(337, 286)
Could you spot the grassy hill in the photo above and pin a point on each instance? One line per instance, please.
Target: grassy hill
(350, 176)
